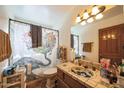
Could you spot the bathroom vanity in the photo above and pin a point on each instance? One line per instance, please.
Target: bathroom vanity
(66, 81)
(66, 78)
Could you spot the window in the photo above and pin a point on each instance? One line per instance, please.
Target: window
(75, 43)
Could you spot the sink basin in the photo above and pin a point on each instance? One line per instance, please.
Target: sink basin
(64, 65)
(77, 69)
(85, 72)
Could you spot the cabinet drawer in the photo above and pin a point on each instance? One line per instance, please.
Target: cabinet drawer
(72, 83)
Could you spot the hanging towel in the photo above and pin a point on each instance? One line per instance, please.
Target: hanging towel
(87, 47)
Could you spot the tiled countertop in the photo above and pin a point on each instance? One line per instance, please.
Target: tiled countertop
(93, 82)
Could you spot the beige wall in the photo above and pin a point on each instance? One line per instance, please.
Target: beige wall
(90, 34)
(4, 24)
(64, 36)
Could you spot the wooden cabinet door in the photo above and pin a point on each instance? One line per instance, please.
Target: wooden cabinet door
(60, 74)
(61, 84)
(5, 46)
(111, 43)
(114, 42)
(72, 83)
(122, 41)
(102, 42)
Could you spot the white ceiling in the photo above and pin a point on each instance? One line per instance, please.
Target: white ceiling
(50, 16)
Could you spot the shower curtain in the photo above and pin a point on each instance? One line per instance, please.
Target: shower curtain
(21, 42)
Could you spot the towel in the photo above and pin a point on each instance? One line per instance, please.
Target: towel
(87, 47)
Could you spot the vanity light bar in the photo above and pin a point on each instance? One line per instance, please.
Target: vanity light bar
(96, 13)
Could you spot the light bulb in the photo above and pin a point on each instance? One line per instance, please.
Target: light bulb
(109, 36)
(83, 23)
(104, 37)
(99, 16)
(113, 36)
(78, 19)
(90, 20)
(95, 10)
(85, 15)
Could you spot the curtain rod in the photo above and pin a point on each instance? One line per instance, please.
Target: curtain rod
(31, 24)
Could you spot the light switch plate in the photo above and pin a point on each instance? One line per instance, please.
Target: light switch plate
(123, 61)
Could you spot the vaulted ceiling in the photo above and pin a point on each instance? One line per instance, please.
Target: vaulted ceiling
(53, 16)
